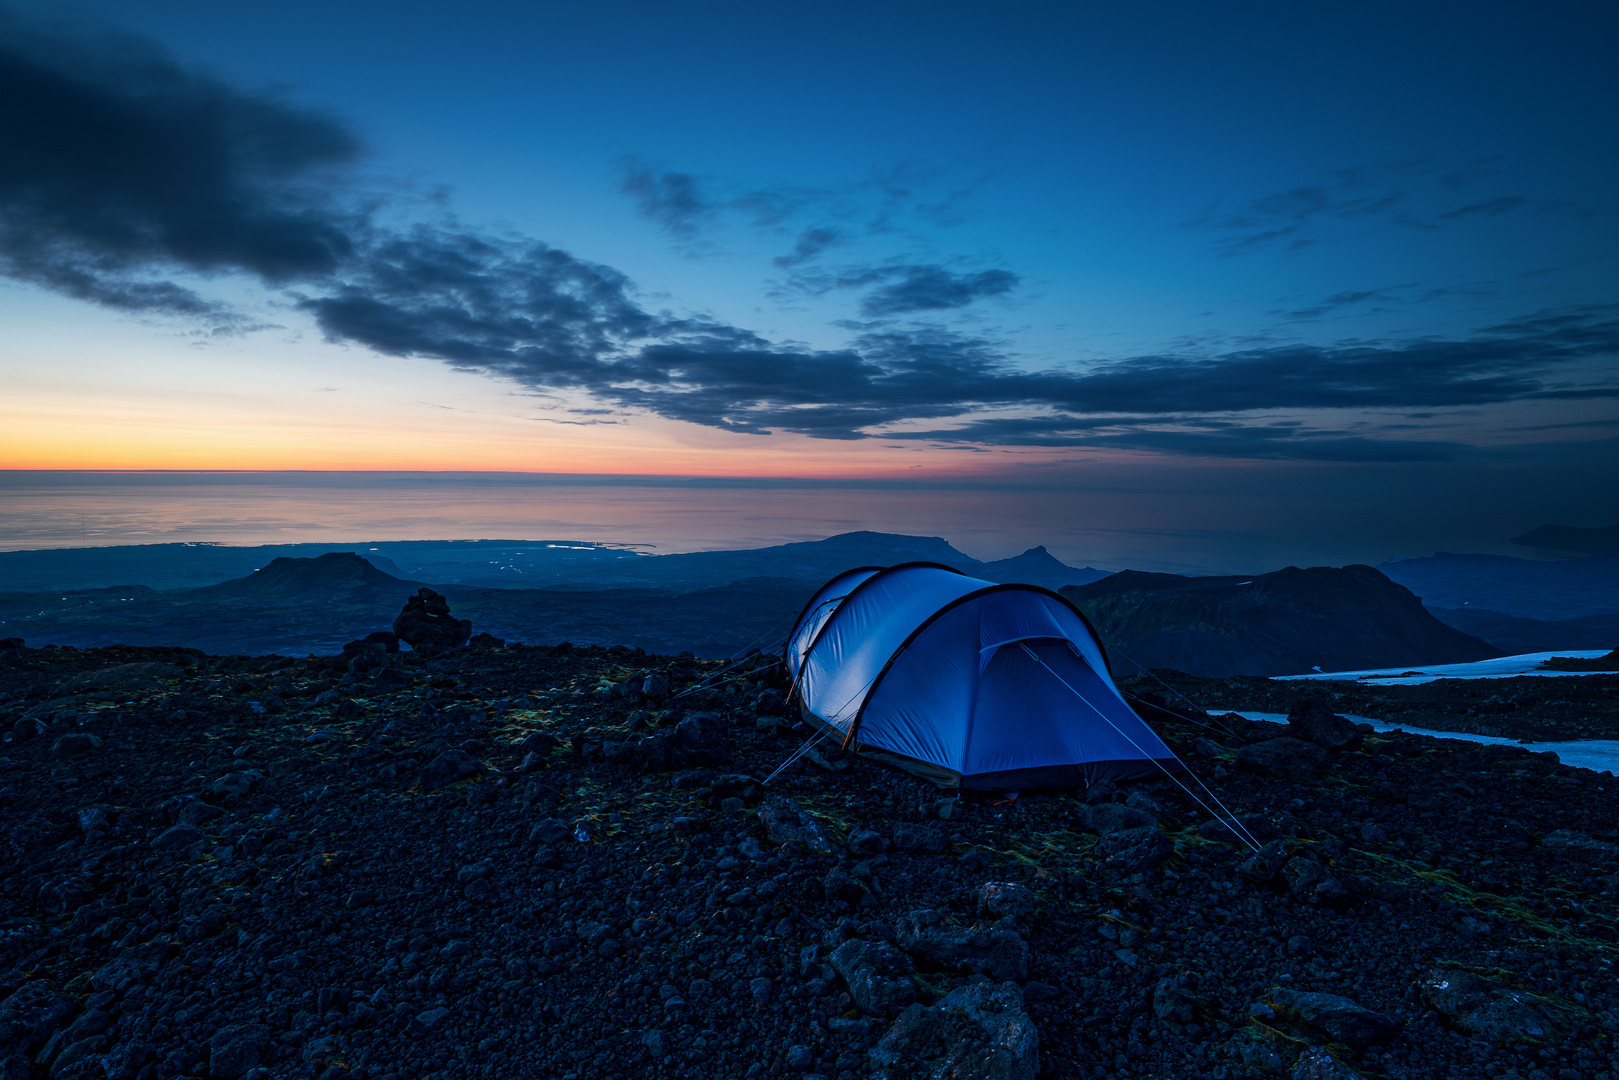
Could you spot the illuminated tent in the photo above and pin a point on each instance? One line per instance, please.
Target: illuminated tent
(965, 682)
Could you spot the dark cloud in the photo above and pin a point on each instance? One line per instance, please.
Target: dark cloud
(1292, 219)
(123, 176)
(1342, 300)
(1411, 194)
(811, 243)
(889, 201)
(672, 199)
(1487, 208)
(118, 165)
(933, 288)
(1189, 436)
(903, 289)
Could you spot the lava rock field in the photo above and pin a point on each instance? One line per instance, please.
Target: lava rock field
(561, 862)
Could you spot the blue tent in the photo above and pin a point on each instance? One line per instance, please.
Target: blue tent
(965, 682)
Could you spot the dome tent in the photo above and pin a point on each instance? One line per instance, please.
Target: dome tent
(965, 682)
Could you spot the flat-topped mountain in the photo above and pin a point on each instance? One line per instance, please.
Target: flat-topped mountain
(1287, 622)
(336, 577)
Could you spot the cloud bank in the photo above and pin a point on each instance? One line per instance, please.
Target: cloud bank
(126, 176)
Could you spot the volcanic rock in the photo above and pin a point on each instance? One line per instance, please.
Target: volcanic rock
(786, 821)
(1286, 757)
(1135, 849)
(75, 744)
(426, 620)
(976, 1031)
(1345, 1020)
(877, 974)
(994, 951)
(1311, 721)
(448, 767)
(1483, 1008)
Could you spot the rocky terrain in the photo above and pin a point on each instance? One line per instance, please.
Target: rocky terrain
(1530, 708)
(1288, 622)
(503, 861)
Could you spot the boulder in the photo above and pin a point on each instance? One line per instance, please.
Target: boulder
(1313, 883)
(236, 1050)
(919, 839)
(426, 620)
(1104, 818)
(1134, 849)
(1173, 1002)
(1311, 721)
(1290, 759)
(133, 966)
(1264, 864)
(1005, 900)
(785, 820)
(1317, 1064)
(1485, 1009)
(1576, 847)
(979, 1032)
(995, 951)
(236, 783)
(177, 837)
(877, 974)
(74, 744)
(448, 767)
(735, 786)
(701, 739)
(31, 1015)
(1347, 1021)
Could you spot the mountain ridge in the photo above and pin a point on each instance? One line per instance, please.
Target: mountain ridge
(1287, 622)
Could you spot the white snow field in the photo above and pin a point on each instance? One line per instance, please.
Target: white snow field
(1502, 667)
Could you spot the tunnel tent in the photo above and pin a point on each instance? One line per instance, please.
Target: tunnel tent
(968, 683)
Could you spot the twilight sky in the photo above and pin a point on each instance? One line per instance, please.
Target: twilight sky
(1337, 249)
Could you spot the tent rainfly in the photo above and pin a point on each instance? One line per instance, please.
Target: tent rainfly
(965, 682)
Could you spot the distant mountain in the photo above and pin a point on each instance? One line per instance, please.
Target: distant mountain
(1037, 566)
(334, 578)
(1287, 622)
(1514, 635)
(1571, 538)
(497, 563)
(520, 564)
(1548, 590)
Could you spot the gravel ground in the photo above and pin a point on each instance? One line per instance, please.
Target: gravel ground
(539, 862)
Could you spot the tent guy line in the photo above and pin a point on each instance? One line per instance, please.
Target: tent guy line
(1238, 827)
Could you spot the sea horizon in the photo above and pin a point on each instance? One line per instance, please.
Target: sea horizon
(1109, 529)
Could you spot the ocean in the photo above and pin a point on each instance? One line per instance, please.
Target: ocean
(1114, 526)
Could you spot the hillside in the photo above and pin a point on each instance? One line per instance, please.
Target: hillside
(298, 606)
(1282, 623)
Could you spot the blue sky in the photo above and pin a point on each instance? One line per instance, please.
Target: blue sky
(838, 239)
